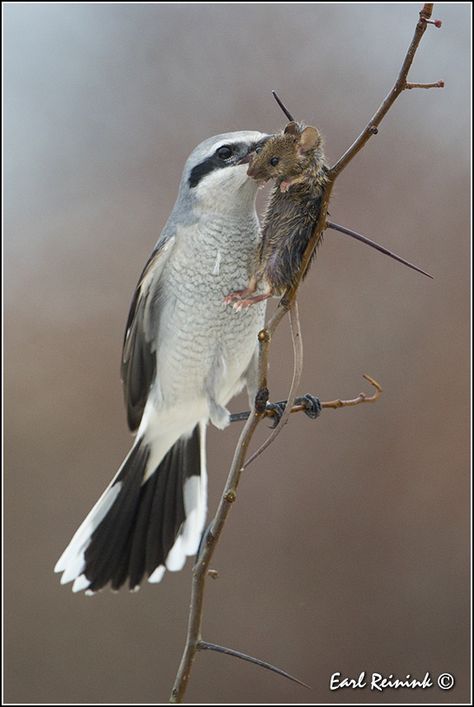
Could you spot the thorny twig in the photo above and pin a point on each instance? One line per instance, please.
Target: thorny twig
(194, 639)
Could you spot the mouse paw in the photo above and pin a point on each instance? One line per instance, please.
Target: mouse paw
(238, 295)
(233, 296)
(249, 301)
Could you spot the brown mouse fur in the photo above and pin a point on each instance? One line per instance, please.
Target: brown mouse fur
(295, 159)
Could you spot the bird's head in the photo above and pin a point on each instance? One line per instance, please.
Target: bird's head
(216, 170)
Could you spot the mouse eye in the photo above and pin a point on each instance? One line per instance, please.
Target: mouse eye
(274, 161)
(224, 152)
(258, 149)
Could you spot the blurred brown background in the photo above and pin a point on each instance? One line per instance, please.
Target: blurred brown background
(348, 547)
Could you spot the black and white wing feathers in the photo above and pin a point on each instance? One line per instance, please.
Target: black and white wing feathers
(138, 367)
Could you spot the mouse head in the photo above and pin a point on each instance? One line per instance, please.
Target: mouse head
(287, 155)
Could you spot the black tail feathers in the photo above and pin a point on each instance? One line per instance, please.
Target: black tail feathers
(147, 526)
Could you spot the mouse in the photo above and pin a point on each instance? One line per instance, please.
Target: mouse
(294, 158)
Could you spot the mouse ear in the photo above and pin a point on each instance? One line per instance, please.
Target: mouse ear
(309, 139)
(292, 129)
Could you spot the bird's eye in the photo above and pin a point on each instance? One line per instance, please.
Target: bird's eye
(224, 152)
(274, 161)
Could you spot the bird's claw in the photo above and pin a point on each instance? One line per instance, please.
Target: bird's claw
(312, 406)
(275, 410)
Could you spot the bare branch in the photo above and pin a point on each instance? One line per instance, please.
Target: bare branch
(361, 398)
(436, 84)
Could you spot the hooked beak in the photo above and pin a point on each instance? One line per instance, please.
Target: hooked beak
(248, 158)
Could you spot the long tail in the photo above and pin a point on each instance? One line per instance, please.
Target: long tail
(141, 527)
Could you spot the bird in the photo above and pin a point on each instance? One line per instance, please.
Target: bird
(185, 355)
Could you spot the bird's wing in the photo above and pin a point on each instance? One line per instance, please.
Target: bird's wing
(139, 345)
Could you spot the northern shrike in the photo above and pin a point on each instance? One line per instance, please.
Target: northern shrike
(185, 355)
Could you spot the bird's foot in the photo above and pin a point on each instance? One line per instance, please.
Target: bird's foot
(275, 411)
(309, 404)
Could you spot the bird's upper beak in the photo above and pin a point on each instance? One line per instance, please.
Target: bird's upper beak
(248, 158)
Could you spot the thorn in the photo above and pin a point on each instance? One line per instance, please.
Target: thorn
(204, 645)
(282, 106)
(373, 244)
(213, 573)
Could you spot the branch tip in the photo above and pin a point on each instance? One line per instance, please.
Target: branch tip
(398, 87)
(373, 382)
(426, 10)
(436, 23)
(361, 398)
(435, 84)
